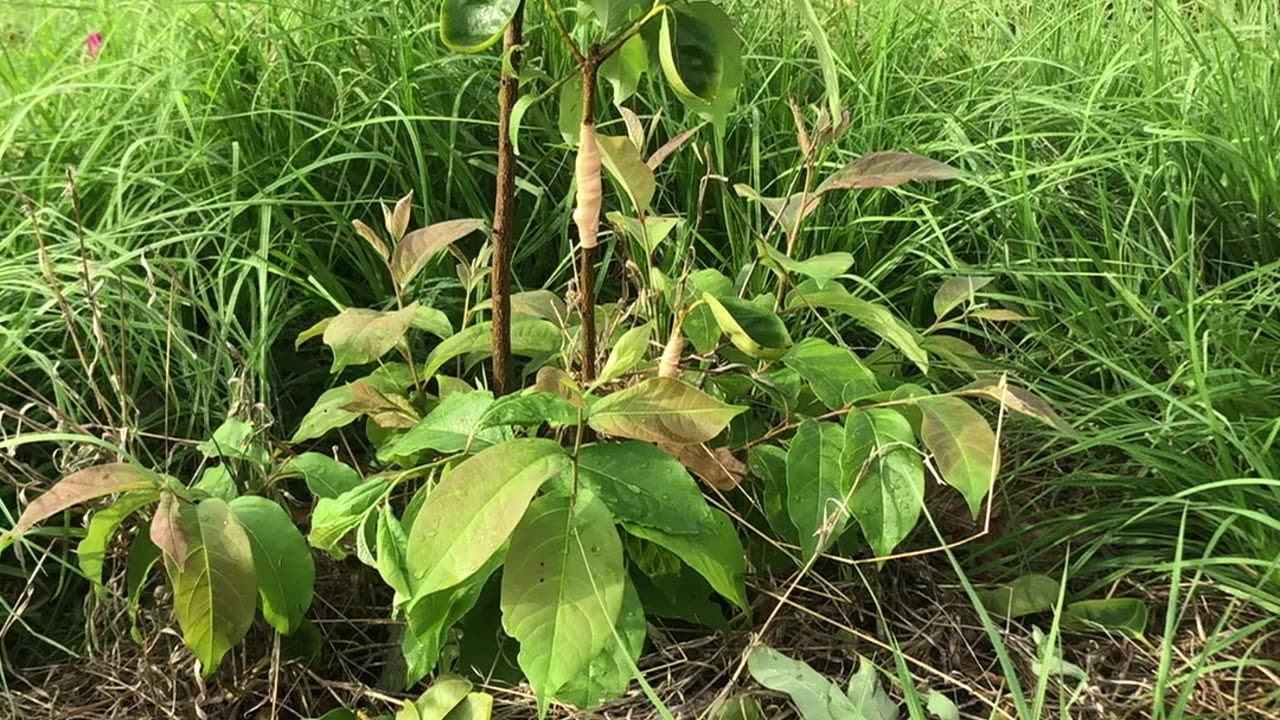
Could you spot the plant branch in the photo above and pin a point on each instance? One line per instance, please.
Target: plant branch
(504, 206)
(563, 31)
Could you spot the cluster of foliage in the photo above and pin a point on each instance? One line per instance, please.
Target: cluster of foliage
(560, 514)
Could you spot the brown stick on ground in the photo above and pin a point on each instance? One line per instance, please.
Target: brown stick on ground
(504, 208)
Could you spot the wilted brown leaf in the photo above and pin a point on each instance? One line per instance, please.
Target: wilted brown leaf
(717, 468)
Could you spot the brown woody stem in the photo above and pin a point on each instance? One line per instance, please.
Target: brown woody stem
(586, 252)
(504, 208)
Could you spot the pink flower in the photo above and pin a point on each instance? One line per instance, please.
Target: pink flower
(93, 44)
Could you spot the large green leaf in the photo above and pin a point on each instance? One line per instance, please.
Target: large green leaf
(701, 58)
(662, 410)
(876, 318)
(822, 268)
(474, 509)
(769, 464)
(85, 485)
(963, 446)
(1123, 615)
(623, 161)
(1026, 595)
(624, 68)
(391, 561)
(700, 324)
(529, 337)
(445, 694)
(324, 476)
(682, 595)
(808, 689)
(836, 375)
(817, 486)
(281, 560)
(215, 587)
(358, 335)
(235, 439)
(608, 674)
(888, 476)
(754, 330)
(715, 552)
(449, 428)
(330, 410)
(470, 26)
(867, 698)
(530, 408)
(627, 353)
(641, 484)
(562, 590)
(92, 550)
(650, 233)
(216, 481)
(333, 518)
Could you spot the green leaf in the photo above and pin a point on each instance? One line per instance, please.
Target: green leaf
(318, 329)
(715, 552)
(83, 486)
(624, 68)
(470, 26)
(622, 159)
(338, 714)
(562, 590)
(542, 304)
(216, 481)
(1019, 400)
(529, 337)
(1027, 595)
(530, 408)
(446, 429)
(836, 375)
(443, 696)
(868, 698)
(805, 686)
(430, 617)
(826, 58)
(963, 446)
(359, 336)
(817, 487)
(641, 484)
(614, 15)
(648, 234)
(662, 410)
(392, 563)
(214, 594)
(333, 518)
(418, 247)
(324, 476)
(92, 550)
(887, 169)
(608, 675)
(955, 291)
(876, 318)
(475, 706)
(329, 411)
(822, 268)
(754, 330)
(769, 464)
(431, 320)
(683, 595)
(143, 555)
(235, 439)
(570, 107)
(700, 324)
(475, 508)
(627, 353)
(701, 58)
(940, 706)
(518, 111)
(281, 560)
(1124, 615)
(739, 707)
(888, 485)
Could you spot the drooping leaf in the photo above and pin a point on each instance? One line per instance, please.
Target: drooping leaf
(324, 476)
(216, 481)
(754, 330)
(333, 518)
(867, 697)
(91, 553)
(822, 268)
(836, 375)
(475, 508)
(888, 476)
(608, 674)
(624, 68)
(622, 159)
(446, 429)
(789, 211)
(235, 439)
(470, 26)
(431, 616)
(214, 586)
(701, 58)
(328, 413)
(1027, 595)
(718, 468)
(715, 552)
(1019, 400)
(562, 590)
(876, 318)
(418, 247)
(82, 486)
(955, 291)
(143, 555)
(662, 410)
(1123, 615)
(769, 464)
(648, 234)
(963, 446)
(817, 486)
(281, 560)
(641, 484)
(358, 335)
(626, 353)
(168, 529)
(529, 409)
(887, 169)
(529, 337)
